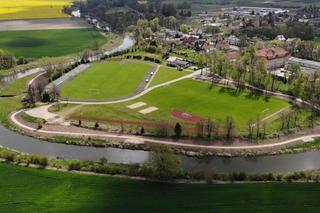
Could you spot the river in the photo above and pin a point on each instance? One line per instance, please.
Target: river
(262, 164)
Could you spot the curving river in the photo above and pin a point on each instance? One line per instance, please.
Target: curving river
(262, 164)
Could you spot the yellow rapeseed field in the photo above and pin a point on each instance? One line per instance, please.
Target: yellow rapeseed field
(32, 9)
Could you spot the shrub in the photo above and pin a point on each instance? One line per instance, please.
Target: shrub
(8, 155)
(74, 166)
(43, 161)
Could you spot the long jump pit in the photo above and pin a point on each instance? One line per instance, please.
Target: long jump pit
(185, 116)
(43, 24)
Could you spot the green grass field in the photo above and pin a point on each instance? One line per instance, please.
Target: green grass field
(165, 74)
(108, 80)
(51, 43)
(32, 190)
(193, 97)
(17, 87)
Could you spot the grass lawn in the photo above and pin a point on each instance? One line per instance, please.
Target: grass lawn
(33, 190)
(51, 43)
(17, 87)
(165, 74)
(32, 9)
(108, 80)
(193, 97)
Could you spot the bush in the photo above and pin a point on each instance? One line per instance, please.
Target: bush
(74, 166)
(151, 49)
(43, 161)
(8, 155)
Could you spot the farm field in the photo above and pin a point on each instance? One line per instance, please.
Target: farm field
(32, 9)
(108, 80)
(33, 190)
(192, 97)
(165, 74)
(51, 43)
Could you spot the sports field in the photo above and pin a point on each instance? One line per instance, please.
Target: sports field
(51, 43)
(32, 190)
(193, 97)
(104, 81)
(32, 9)
(165, 74)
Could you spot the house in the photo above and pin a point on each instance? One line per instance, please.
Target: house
(178, 62)
(232, 55)
(275, 57)
(233, 40)
(281, 38)
(222, 45)
(235, 25)
(76, 14)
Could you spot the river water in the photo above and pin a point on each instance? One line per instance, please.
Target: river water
(262, 164)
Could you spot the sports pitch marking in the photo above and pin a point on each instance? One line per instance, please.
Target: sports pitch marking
(148, 110)
(136, 105)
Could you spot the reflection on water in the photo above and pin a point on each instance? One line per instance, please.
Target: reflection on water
(264, 164)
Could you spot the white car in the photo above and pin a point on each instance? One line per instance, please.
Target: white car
(147, 80)
(151, 73)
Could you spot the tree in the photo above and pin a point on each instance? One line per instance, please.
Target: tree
(54, 93)
(164, 163)
(229, 126)
(141, 131)
(200, 62)
(154, 25)
(168, 10)
(172, 22)
(7, 60)
(178, 130)
(209, 127)
(250, 129)
(184, 28)
(86, 55)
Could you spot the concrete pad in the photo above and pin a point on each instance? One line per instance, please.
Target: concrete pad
(148, 110)
(42, 112)
(307, 139)
(136, 105)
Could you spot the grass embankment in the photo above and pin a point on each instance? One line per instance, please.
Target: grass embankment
(193, 97)
(16, 87)
(107, 80)
(8, 105)
(165, 74)
(34, 190)
(32, 9)
(51, 43)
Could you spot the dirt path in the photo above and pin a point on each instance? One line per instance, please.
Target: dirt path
(80, 132)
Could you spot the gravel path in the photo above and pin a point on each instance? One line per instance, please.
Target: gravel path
(80, 132)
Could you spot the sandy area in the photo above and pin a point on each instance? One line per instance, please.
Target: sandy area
(43, 24)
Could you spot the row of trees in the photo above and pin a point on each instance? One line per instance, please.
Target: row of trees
(290, 30)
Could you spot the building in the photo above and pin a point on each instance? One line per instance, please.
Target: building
(178, 62)
(275, 57)
(233, 40)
